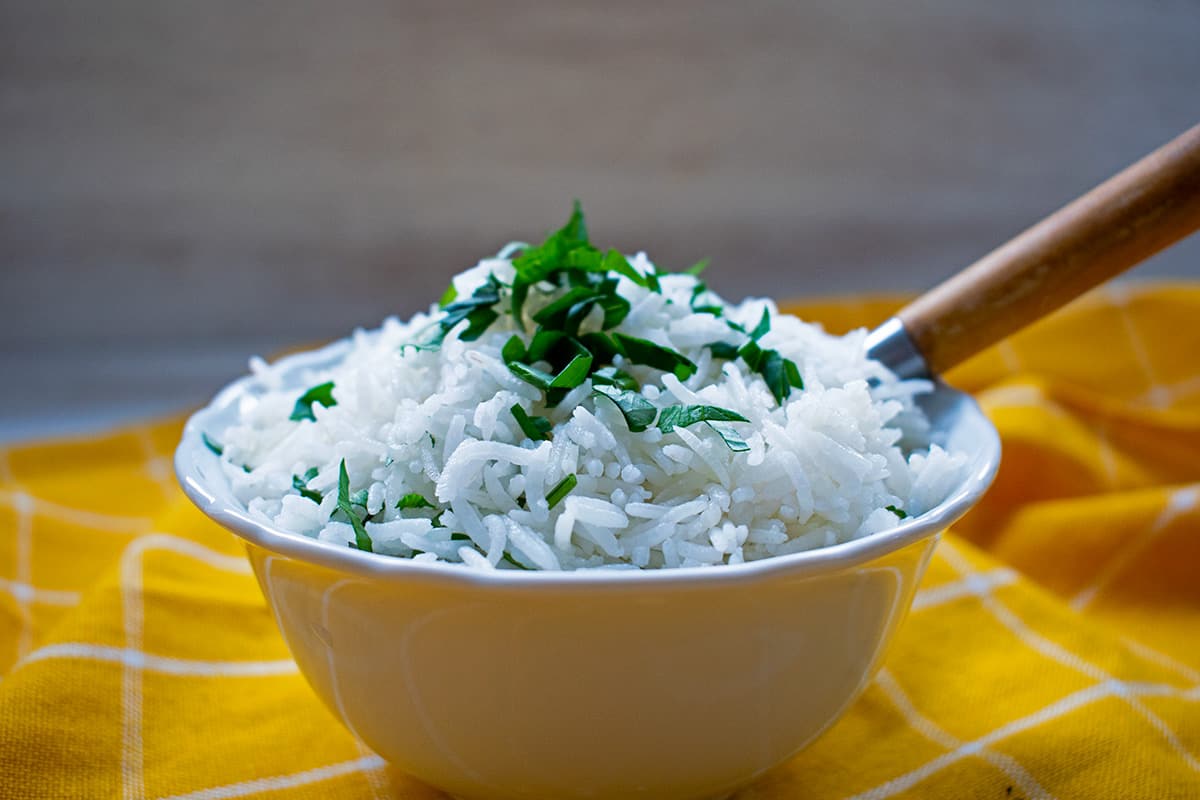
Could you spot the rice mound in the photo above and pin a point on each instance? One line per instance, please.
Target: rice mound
(833, 462)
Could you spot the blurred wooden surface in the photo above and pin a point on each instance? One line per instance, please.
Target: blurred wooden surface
(184, 184)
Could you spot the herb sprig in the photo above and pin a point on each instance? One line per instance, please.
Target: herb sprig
(561, 353)
(300, 484)
(780, 374)
(561, 490)
(573, 342)
(362, 540)
(322, 394)
(536, 428)
(413, 500)
(211, 444)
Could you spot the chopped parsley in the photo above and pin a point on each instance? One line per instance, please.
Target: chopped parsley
(536, 428)
(559, 355)
(322, 394)
(615, 262)
(641, 351)
(639, 412)
(672, 417)
(729, 435)
(723, 350)
(611, 376)
(901, 513)
(568, 311)
(300, 484)
(476, 310)
(696, 301)
(781, 374)
(564, 487)
(570, 359)
(413, 500)
(763, 326)
(569, 244)
(211, 445)
(362, 541)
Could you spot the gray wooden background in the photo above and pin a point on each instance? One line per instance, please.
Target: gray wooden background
(183, 184)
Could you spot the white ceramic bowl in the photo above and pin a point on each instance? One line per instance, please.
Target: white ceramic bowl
(683, 683)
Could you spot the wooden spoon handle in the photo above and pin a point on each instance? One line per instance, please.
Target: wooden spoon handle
(1121, 222)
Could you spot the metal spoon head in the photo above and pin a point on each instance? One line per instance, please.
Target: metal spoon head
(891, 345)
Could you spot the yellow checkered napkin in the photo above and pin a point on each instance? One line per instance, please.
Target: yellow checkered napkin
(1053, 649)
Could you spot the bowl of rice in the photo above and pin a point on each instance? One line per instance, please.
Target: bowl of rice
(584, 528)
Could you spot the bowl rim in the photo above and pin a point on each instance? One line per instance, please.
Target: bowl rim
(823, 560)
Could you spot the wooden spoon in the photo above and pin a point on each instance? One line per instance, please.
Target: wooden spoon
(1123, 221)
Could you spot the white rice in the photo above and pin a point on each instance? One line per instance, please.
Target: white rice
(820, 469)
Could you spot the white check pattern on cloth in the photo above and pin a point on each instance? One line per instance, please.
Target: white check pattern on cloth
(979, 585)
(1107, 686)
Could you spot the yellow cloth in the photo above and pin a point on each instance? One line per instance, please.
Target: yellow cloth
(1053, 650)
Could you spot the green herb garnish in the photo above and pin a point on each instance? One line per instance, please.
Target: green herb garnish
(520, 291)
(781, 374)
(899, 512)
(559, 357)
(601, 345)
(564, 487)
(568, 311)
(763, 326)
(611, 376)
(615, 262)
(567, 257)
(476, 310)
(672, 417)
(731, 438)
(567, 307)
(575, 359)
(211, 445)
(535, 264)
(322, 394)
(413, 500)
(639, 412)
(641, 351)
(576, 371)
(698, 291)
(513, 350)
(536, 428)
(723, 350)
(300, 484)
(362, 540)
(531, 375)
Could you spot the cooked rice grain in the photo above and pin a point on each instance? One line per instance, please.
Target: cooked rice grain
(821, 468)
